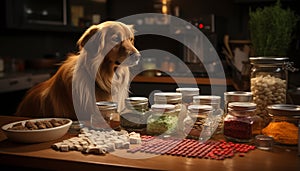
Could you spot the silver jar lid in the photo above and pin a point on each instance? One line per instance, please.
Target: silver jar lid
(188, 91)
(136, 100)
(207, 99)
(168, 97)
(162, 107)
(106, 105)
(238, 96)
(239, 106)
(268, 60)
(199, 108)
(284, 110)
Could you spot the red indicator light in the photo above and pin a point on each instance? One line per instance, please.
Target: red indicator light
(201, 26)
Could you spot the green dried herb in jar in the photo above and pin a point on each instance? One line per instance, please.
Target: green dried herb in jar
(163, 120)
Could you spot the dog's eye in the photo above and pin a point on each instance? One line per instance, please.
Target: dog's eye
(116, 38)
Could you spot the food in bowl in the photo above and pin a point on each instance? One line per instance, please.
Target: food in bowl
(37, 130)
(39, 124)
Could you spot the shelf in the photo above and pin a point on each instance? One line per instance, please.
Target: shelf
(182, 80)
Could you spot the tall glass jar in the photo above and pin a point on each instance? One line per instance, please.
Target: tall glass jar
(109, 118)
(238, 123)
(216, 119)
(134, 116)
(163, 120)
(196, 120)
(269, 78)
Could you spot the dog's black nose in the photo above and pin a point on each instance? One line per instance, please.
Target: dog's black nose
(135, 56)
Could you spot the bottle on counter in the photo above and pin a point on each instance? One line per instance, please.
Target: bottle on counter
(134, 117)
(239, 123)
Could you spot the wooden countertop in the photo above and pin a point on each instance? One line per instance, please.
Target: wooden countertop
(182, 80)
(41, 156)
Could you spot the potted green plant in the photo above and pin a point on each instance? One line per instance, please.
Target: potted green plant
(271, 29)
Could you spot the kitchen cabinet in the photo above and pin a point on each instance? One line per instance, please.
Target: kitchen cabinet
(51, 15)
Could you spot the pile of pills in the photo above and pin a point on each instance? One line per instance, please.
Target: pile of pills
(267, 90)
(98, 142)
(218, 150)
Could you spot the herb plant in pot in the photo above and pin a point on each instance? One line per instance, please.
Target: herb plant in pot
(271, 30)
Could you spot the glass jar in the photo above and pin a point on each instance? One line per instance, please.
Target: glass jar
(211, 100)
(217, 114)
(196, 120)
(236, 96)
(109, 118)
(284, 124)
(238, 123)
(188, 93)
(163, 120)
(134, 116)
(268, 83)
(173, 98)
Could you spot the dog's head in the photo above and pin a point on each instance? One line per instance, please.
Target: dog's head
(116, 43)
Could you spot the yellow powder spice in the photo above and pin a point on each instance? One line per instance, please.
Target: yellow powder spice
(283, 132)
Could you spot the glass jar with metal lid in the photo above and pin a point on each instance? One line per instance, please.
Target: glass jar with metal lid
(269, 76)
(284, 124)
(188, 93)
(196, 121)
(236, 96)
(217, 113)
(134, 116)
(109, 118)
(238, 123)
(173, 98)
(163, 120)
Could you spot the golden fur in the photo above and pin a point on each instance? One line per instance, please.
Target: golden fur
(102, 50)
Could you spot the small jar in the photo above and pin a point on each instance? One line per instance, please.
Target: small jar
(236, 96)
(109, 118)
(269, 77)
(196, 120)
(284, 124)
(238, 123)
(134, 116)
(172, 98)
(217, 113)
(211, 100)
(188, 93)
(163, 120)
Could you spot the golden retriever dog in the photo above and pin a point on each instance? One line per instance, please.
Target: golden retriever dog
(98, 72)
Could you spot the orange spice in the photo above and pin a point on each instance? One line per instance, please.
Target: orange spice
(283, 132)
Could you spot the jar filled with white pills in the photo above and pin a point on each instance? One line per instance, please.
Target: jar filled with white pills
(269, 77)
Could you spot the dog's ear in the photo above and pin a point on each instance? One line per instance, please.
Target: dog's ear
(86, 36)
(131, 27)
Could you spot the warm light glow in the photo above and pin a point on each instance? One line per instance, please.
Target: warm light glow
(164, 9)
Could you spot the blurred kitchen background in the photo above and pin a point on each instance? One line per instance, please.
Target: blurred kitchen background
(35, 36)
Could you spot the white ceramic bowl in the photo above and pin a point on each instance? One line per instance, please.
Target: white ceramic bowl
(36, 136)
